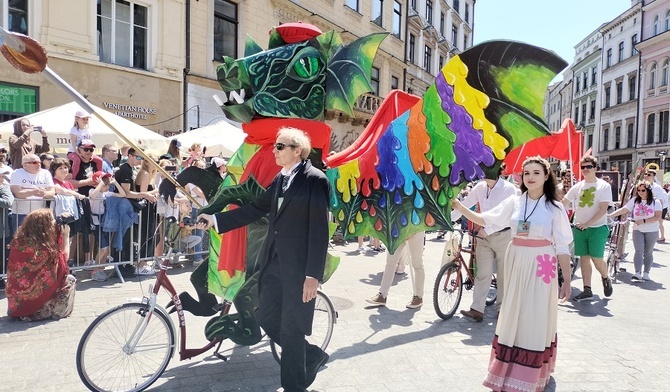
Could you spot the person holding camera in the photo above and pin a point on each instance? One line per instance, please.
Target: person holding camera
(21, 144)
(39, 285)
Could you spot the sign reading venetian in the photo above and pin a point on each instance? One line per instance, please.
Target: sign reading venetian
(130, 111)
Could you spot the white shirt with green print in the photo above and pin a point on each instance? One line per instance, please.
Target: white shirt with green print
(586, 198)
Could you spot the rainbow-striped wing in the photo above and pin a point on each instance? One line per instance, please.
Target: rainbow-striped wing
(400, 177)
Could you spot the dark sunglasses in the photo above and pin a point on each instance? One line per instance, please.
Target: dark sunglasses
(642, 190)
(88, 149)
(589, 167)
(648, 174)
(281, 146)
(33, 163)
(138, 157)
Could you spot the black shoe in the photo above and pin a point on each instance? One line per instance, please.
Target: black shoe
(2, 284)
(586, 294)
(313, 368)
(607, 286)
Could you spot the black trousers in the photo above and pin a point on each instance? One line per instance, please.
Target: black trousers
(273, 316)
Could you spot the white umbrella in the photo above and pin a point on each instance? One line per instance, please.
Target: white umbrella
(221, 139)
(58, 121)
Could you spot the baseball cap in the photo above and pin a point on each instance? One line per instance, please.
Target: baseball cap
(219, 161)
(99, 175)
(82, 114)
(86, 143)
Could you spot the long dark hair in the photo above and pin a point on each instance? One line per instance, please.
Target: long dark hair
(39, 232)
(549, 187)
(650, 194)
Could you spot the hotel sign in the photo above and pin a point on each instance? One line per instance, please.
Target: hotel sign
(130, 111)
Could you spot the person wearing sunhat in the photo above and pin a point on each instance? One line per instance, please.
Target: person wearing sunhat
(221, 166)
(80, 130)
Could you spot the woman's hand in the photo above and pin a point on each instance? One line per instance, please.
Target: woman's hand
(566, 290)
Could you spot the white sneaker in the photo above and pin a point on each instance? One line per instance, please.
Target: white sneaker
(361, 249)
(99, 276)
(400, 269)
(146, 270)
(646, 276)
(636, 277)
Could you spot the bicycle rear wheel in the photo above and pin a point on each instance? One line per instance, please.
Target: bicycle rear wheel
(322, 325)
(125, 349)
(447, 291)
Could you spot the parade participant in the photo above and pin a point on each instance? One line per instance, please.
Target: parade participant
(414, 245)
(646, 212)
(21, 144)
(38, 284)
(293, 255)
(492, 241)
(662, 196)
(524, 347)
(221, 166)
(30, 185)
(589, 199)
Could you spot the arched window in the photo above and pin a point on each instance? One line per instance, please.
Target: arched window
(664, 73)
(652, 77)
(657, 25)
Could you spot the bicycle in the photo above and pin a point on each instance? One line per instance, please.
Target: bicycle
(129, 347)
(612, 248)
(455, 274)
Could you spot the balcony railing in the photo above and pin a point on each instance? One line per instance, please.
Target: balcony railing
(368, 103)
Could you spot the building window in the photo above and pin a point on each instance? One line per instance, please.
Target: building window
(633, 41)
(619, 92)
(397, 17)
(122, 33)
(454, 35)
(629, 136)
(657, 25)
(592, 112)
(578, 84)
(456, 6)
(607, 97)
(427, 58)
(664, 73)
(667, 20)
(584, 112)
(377, 6)
(17, 17)
(589, 141)
(412, 42)
(429, 11)
(465, 41)
(594, 75)
(621, 51)
(442, 24)
(631, 88)
(663, 120)
(585, 81)
(225, 29)
(412, 4)
(609, 58)
(606, 139)
(651, 124)
(374, 80)
(617, 138)
(353, 4)
(441, 61)
(394, 82)
(652, 77)
(576, 115)
(467, 13)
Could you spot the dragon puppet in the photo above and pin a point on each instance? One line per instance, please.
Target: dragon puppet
(396, 179)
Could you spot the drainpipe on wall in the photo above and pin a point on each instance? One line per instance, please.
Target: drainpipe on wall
(639, 94)
(187, 68)
(404, 70)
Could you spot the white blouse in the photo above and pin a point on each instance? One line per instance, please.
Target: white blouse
(549, 222)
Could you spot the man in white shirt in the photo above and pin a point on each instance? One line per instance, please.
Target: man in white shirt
(590, 199)
(662, 196)
(30, 185)
(492, 241)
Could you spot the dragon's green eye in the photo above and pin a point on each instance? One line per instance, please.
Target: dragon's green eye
(306, 65)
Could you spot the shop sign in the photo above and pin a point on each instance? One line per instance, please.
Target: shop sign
(17, 99)
(130, 111)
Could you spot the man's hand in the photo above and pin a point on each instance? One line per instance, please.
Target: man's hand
(566, 289)
(309, 289)
(205, 221)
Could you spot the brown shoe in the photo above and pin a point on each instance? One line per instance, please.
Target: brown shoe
(377, 300)
(415, 303)
(473, 314)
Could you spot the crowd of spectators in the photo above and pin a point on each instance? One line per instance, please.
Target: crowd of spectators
(97, 199)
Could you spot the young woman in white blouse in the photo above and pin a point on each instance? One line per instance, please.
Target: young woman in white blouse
(524, 347)
(646, 214)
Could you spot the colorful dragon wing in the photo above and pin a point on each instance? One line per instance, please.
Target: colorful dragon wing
(400, 178)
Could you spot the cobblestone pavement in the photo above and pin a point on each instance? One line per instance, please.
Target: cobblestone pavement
(610, 344)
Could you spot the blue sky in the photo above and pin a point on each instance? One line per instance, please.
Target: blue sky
(556, 25)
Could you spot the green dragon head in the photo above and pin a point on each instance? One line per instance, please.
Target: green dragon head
(297, 79)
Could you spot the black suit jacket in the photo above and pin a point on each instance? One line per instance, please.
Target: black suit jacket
(298, 230)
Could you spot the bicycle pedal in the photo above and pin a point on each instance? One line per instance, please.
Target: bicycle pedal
(221, 357)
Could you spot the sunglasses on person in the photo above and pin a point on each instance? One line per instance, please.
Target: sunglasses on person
(648, 174)
(642, 190)
(48, 159)
(587, 167)
(88, 149)
(138, 157)
(281, 146)
(33, 163)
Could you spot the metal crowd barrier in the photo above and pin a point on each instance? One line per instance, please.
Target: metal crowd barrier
(138, 245)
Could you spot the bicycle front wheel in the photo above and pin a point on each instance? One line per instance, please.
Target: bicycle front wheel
(125, 349)
(612, 265)
(322, 325)
(447, 291)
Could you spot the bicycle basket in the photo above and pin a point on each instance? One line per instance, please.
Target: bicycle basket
(453, 239)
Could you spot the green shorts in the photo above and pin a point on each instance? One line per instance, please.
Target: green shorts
(591, 242)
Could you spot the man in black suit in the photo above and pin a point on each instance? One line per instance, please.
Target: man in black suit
(294, 254)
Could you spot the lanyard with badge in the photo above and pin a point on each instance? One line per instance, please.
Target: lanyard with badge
(523, 227)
